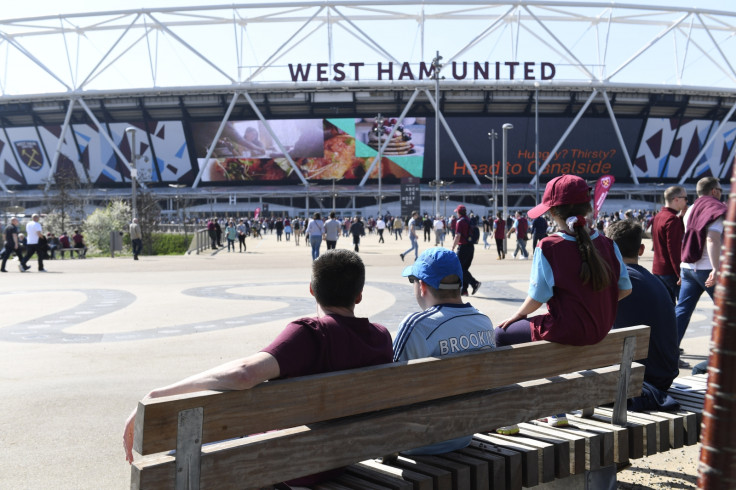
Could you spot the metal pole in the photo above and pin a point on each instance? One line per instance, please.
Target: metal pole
(536, 142)
(379, 133)
(493, 136)
(506, 127)
(437, 67)
(133, 170)
(333, 195)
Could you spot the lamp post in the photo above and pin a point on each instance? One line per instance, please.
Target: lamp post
(506, 127)
(306, 202)
(436, 66)
(133, 171)
(333, 195)
(536, 142)
(438, 185)
(493, 136)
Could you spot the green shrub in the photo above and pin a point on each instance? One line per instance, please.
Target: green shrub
(170, 243)
(99, 224)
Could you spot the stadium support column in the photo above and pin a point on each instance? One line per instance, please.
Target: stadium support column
(274, 136)
(134, 171)
(399, 122)
(536, 142)
(107, 138)
(566, 134)
(211, 149)
(436, 67)
(378, 131)
(59, 144)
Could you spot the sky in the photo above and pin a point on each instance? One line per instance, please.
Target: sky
(36, 8)
(255, 56)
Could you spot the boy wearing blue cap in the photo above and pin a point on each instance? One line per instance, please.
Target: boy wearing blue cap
(445, 325)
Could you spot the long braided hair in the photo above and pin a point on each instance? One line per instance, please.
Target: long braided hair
(593, 270)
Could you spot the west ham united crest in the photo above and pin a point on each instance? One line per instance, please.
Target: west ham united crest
(30, 153)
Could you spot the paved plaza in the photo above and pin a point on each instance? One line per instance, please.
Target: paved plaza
(82, 343)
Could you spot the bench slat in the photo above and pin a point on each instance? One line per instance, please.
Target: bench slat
(441, 479)
(460, 472)
(606, 437)
(380, 478)
(512, 460)
(478, 469)
(353, 481)
(620, 436)
(577, 444)
(260, 460)
(530, 457)
(419, 481)
(311, 399)
(496, 466)
(556, 456)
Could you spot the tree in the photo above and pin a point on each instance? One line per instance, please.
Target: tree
(149, 213)
(64, 206)
(98, 225)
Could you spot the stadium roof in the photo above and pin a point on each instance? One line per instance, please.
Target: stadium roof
(320, 59)
(191, 50)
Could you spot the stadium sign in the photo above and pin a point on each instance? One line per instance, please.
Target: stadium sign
(507, 70)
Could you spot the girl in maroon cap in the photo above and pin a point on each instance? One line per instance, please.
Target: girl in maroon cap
(581, 277)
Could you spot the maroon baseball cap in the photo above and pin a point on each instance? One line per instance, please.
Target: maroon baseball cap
(460, 209)
(565, 189)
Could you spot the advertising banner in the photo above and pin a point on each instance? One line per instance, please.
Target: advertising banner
(591, 150)
(602, 187)
(162, 146)
(411, 198)
(322, 149)
(669, 147)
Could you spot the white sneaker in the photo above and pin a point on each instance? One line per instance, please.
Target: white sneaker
(557, 421)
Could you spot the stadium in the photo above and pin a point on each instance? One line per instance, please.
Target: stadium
(363, 106)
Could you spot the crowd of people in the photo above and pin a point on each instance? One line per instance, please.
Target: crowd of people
(45, 246)
(589, 279)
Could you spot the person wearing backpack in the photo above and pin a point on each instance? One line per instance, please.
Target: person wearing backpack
(465, 247)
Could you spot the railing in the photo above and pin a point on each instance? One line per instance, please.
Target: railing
(177, 227)
(201, 241)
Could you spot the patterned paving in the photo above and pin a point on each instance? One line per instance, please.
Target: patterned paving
(53, 328)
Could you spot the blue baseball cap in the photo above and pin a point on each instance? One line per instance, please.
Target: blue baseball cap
(433, 265)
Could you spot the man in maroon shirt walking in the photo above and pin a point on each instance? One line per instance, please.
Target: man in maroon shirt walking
(465, 248)
(667, 233)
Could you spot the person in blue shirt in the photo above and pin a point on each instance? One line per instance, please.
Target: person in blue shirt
(445, 325)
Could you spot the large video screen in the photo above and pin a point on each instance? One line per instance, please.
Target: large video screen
(669, 147)
(590, 150)
(27, 153)
(319, 149)
(346, 149)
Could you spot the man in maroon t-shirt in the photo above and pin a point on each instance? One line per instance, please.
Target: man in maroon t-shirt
(521, 227)
(465, 248)
(667, 233)
(334, 340)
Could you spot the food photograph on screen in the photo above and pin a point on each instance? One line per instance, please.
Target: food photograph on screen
(321, 149)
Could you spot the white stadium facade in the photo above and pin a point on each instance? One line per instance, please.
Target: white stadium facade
(274, 105)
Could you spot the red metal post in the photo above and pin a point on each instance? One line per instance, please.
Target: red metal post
(717, 469)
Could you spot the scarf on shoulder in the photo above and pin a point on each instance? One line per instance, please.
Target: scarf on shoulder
(705, 211)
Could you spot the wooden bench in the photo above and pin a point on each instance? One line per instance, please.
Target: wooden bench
(315, 423)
